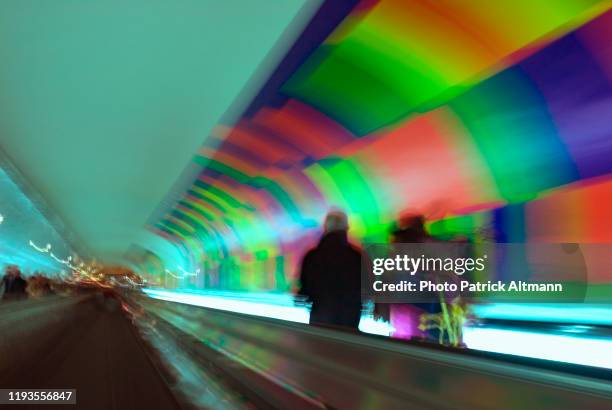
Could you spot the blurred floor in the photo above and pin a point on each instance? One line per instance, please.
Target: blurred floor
(101, 357)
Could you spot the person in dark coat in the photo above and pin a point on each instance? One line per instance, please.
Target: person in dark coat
(330, 276)
(14, 285)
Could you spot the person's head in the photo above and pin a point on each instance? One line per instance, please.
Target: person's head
(409, 229)
(12, 270)
(335, 221)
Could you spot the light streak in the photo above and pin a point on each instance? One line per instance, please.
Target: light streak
(185, 273)
(46, 249)
(275, 306)
(573, 348)
(574, 313)
(581, 350)
(66, 262)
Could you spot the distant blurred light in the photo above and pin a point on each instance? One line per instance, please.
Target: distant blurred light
(185, 273)
(376, 327)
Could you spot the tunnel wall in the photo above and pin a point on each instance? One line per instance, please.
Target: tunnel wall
(27, 236)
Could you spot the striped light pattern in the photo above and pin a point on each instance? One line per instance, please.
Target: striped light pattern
(491, 118)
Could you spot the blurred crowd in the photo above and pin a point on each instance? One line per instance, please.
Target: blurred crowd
(14, 286)
(330, 282)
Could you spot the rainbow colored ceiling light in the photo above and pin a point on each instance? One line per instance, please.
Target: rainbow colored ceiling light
(491, 118)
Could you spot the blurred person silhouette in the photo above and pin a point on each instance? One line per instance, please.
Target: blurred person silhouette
(405, 317)
(39, 285)
(330, 276)
(14, 285)
(410, 320)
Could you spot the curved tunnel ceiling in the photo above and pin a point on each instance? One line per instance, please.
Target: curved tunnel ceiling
(102, 103)
(447, 108)
(482, 115)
